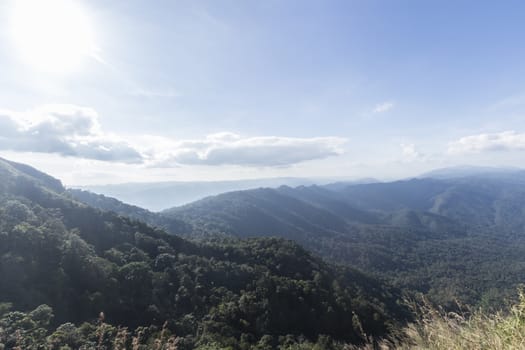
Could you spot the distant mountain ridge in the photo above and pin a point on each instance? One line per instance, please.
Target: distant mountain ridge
(158, 196)
(409, 232)
(468, 171)
(459, 238)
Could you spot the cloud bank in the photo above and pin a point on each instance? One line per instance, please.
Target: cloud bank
(74, 131)
(232, 149)
(67, 130)
(503, 141)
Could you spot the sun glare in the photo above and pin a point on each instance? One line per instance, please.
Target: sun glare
(52, 36)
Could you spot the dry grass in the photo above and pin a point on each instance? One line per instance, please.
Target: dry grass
(473, 330)
(119, 341)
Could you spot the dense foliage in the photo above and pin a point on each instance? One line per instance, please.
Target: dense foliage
(62, 263)
(454, 239)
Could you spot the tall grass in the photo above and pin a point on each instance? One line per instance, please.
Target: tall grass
(474, 329)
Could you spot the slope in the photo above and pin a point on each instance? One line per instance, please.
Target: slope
(454, 239)
(80, 260)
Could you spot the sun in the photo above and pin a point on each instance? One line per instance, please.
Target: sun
(52, 36)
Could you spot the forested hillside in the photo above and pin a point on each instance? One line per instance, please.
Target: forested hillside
(455, 239)
(62, 263)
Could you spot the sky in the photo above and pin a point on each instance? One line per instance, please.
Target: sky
(96, 92)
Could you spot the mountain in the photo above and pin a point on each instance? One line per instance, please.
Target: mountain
(485, 201)
(467, 171)
(62, 262)
(453, 239)
(312, 212)
(99, 201)
(161, 195)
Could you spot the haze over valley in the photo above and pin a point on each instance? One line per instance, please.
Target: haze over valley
(262, 175)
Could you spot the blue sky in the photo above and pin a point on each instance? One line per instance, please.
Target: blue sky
(194, 90)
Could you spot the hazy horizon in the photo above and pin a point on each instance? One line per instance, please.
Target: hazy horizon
(262, 174)
(158, 196)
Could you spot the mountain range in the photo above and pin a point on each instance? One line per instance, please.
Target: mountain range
(158, 196)
(454, 238)
(259, 268)
(72, 273)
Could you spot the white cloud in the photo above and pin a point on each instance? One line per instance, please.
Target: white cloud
(503, 141)
(383, 107)
(262, 151)
(73, 131)
(409, 150)
(410, 153)
(67, 130)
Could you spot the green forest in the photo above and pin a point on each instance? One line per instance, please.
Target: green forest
(77, 277)
(334, 267)
(454, 240)
(262, 175)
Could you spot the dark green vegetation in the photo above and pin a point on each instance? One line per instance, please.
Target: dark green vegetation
(79, 261)
(453, 239)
